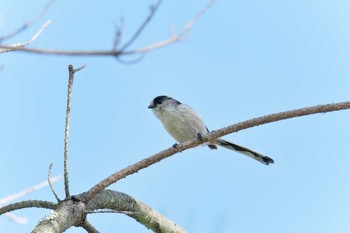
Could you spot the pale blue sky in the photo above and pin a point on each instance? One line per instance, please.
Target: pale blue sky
(243, 59)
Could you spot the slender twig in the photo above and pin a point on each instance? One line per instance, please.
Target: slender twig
(27, 191)
(153, 10)
(17, 46)
(211, 137)
(29, 23)
(50, 184)
(176, 36)
(118, 34)
(71, 71)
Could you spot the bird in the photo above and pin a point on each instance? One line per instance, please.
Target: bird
(184, 124)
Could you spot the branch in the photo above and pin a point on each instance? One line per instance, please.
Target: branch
(177, 36)
(17, 46)
(123, 203)
(153, 10)
(51, 185)
(67, 214)
(72, 71)
(27, 204)
(73, 213)
(116, 53)
(29, 23)
(89, 228)
(211, 137)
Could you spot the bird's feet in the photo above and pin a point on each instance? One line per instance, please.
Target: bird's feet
(200, 137)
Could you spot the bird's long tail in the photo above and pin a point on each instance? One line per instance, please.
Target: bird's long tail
(241, 149)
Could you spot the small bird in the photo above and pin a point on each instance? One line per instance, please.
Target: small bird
(184, 124)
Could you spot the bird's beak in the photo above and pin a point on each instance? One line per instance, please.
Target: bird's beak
(151, 106)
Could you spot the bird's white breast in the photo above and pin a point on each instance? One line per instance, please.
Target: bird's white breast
(181, 122)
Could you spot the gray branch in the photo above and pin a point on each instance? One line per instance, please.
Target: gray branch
(123, 203)
(73, 213)
(27, 204)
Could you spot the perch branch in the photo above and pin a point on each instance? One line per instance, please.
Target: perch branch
(211, 136)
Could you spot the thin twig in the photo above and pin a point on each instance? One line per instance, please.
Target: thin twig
(17, 46)
(118, 34)
(29, 23)
(153, 10)
(50, 184)
(210, 137)
(72, 71)
(176, 36)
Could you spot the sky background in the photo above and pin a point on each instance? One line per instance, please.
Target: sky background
(242, 60)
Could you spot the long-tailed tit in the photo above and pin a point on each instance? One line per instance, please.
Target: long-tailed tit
(183, 124)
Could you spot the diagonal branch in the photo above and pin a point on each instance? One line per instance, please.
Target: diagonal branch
(177, 36)
(211, 136)
(89, 227)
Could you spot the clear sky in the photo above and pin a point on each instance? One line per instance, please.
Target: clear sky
(243, 59)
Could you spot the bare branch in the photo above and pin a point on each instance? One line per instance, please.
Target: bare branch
(29, 23)
(17, 46)
(73, 213)
(28, 190)
(27, 204)
(50, 184)
(67, 214)
(117, 53)
(210, 137)
(176, 36)
(125, 204)
(72, 71)
(153, 10)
